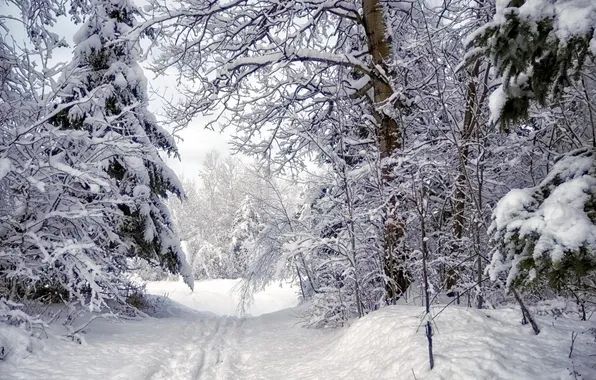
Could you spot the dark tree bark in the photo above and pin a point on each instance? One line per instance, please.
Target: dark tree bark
(526, 313)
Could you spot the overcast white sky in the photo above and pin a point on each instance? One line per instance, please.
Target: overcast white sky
(194, 142)
(197, 142)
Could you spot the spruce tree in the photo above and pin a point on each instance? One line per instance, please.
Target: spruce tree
(246, 228)
(105, 69)
(546, 235)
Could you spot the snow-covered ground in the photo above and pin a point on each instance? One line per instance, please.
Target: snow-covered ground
(211, 343)
(221, 296)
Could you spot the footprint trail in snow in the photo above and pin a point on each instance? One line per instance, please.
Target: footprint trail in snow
(206, 352)
(193, 342)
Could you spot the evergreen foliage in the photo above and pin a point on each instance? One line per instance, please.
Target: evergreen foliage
(81, 176)
(548, 232)
(119, 114)
(537, 48)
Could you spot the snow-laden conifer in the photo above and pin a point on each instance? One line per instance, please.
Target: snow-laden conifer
(116, 118)
(548, 232)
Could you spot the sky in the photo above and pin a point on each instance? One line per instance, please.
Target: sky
(194, 142)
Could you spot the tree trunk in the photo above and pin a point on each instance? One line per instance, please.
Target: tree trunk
(459, 203)
(429, 329)
(389, 137)
(525, 312)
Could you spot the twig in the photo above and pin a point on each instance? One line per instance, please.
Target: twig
(573, 338)
(4, 354)
(462, 293)
(573, 369)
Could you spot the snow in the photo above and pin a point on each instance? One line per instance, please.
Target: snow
(120, 80)
(219, 297)
(296, 54)
(564, 218)
(5, 167)
(552, 216)
(469, 344)
(571, 18)
(202, 338)
(496, 102)
(184, 268)
(38, 184)
(511, 205)
(15, 342)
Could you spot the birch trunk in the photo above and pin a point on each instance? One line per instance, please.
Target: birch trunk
(389, 137)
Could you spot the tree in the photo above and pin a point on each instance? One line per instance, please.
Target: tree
(269, 75)
(246, 228)
(548, 232)
(545, 97)
(221, 216)
(82, 181)
(205, 218)
(56, 214)
(119, 115)
(188, 217)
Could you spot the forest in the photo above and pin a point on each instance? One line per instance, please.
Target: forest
(439, 153)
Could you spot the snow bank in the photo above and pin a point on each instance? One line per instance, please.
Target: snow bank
(468, 344)
(15, 342)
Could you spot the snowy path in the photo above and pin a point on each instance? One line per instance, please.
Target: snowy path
(385, 345)
(198, 343)
(208, 355)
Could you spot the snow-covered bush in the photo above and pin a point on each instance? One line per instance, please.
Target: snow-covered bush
(210, 262)
(147, 271)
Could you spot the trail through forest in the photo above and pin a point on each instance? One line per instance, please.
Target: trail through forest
(204, 352)
(191, 342)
